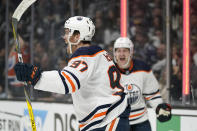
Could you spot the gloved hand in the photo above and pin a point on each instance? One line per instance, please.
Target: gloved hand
(163, 112)
(26, 72)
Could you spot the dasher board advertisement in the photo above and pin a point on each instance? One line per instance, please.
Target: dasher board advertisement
(48, 117)
(61, 117)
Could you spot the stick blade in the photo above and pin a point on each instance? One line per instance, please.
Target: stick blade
(22, 8)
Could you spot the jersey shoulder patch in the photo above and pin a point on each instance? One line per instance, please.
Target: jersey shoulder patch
(89, 51)
(139, 65)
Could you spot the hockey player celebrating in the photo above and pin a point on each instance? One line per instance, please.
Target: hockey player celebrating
(141, 85)
(90, 76)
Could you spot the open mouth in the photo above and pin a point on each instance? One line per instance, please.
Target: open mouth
(122, 59)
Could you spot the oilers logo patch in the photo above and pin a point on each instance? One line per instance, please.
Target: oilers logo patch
(133, 93)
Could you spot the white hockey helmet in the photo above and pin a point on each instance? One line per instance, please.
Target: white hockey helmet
(84, 25)
(123, 42)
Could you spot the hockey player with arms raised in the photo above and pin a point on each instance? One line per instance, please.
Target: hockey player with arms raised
(90, 76)
(141, 87)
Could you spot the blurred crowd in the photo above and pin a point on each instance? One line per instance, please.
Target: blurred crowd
(42, 43)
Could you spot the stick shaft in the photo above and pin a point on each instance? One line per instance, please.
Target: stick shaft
(20, 59)
(15, 18)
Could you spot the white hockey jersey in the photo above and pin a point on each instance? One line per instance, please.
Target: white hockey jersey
(93, 80)
(142, 87)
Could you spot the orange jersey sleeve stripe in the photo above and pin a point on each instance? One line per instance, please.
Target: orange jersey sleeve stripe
(82, 125)
(99, 115)
(148, 98)
(95, 116)
(70, 81)
(112, 125)
(139, 114)
(87, 55)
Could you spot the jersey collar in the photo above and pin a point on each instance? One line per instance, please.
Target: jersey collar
(126, 71)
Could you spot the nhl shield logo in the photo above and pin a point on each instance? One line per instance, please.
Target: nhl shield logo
(79, 18)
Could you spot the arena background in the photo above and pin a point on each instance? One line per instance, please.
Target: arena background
(164, 33)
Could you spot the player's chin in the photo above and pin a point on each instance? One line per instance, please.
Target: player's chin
(121, 64)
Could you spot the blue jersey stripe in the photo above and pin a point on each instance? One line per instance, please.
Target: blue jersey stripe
(76, 79)
(116, 104)
(64, 82)
(155, 97)
(151, 93)
(138, 109)
(94, 111)
(92, 124)
(135, 118)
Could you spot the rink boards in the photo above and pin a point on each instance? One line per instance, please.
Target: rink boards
(61, 117)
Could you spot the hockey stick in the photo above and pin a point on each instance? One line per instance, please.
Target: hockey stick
(15, 19)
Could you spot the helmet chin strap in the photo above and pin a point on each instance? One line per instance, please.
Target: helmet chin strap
(71, 43)
(125, 65)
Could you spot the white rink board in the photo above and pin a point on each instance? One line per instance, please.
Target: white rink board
(188, 120)
(191, 123)
(61, 117)
(48, 116)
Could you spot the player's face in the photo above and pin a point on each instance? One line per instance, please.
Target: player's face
(122, 56)
(73, 39)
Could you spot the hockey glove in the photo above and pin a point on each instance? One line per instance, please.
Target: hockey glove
(163, 112)
(26, 72)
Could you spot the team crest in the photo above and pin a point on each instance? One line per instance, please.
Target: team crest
(133, 93)
(129, 87)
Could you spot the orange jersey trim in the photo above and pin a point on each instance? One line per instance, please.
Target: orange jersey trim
(131, 67)
(70, 81)
(141, 71)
